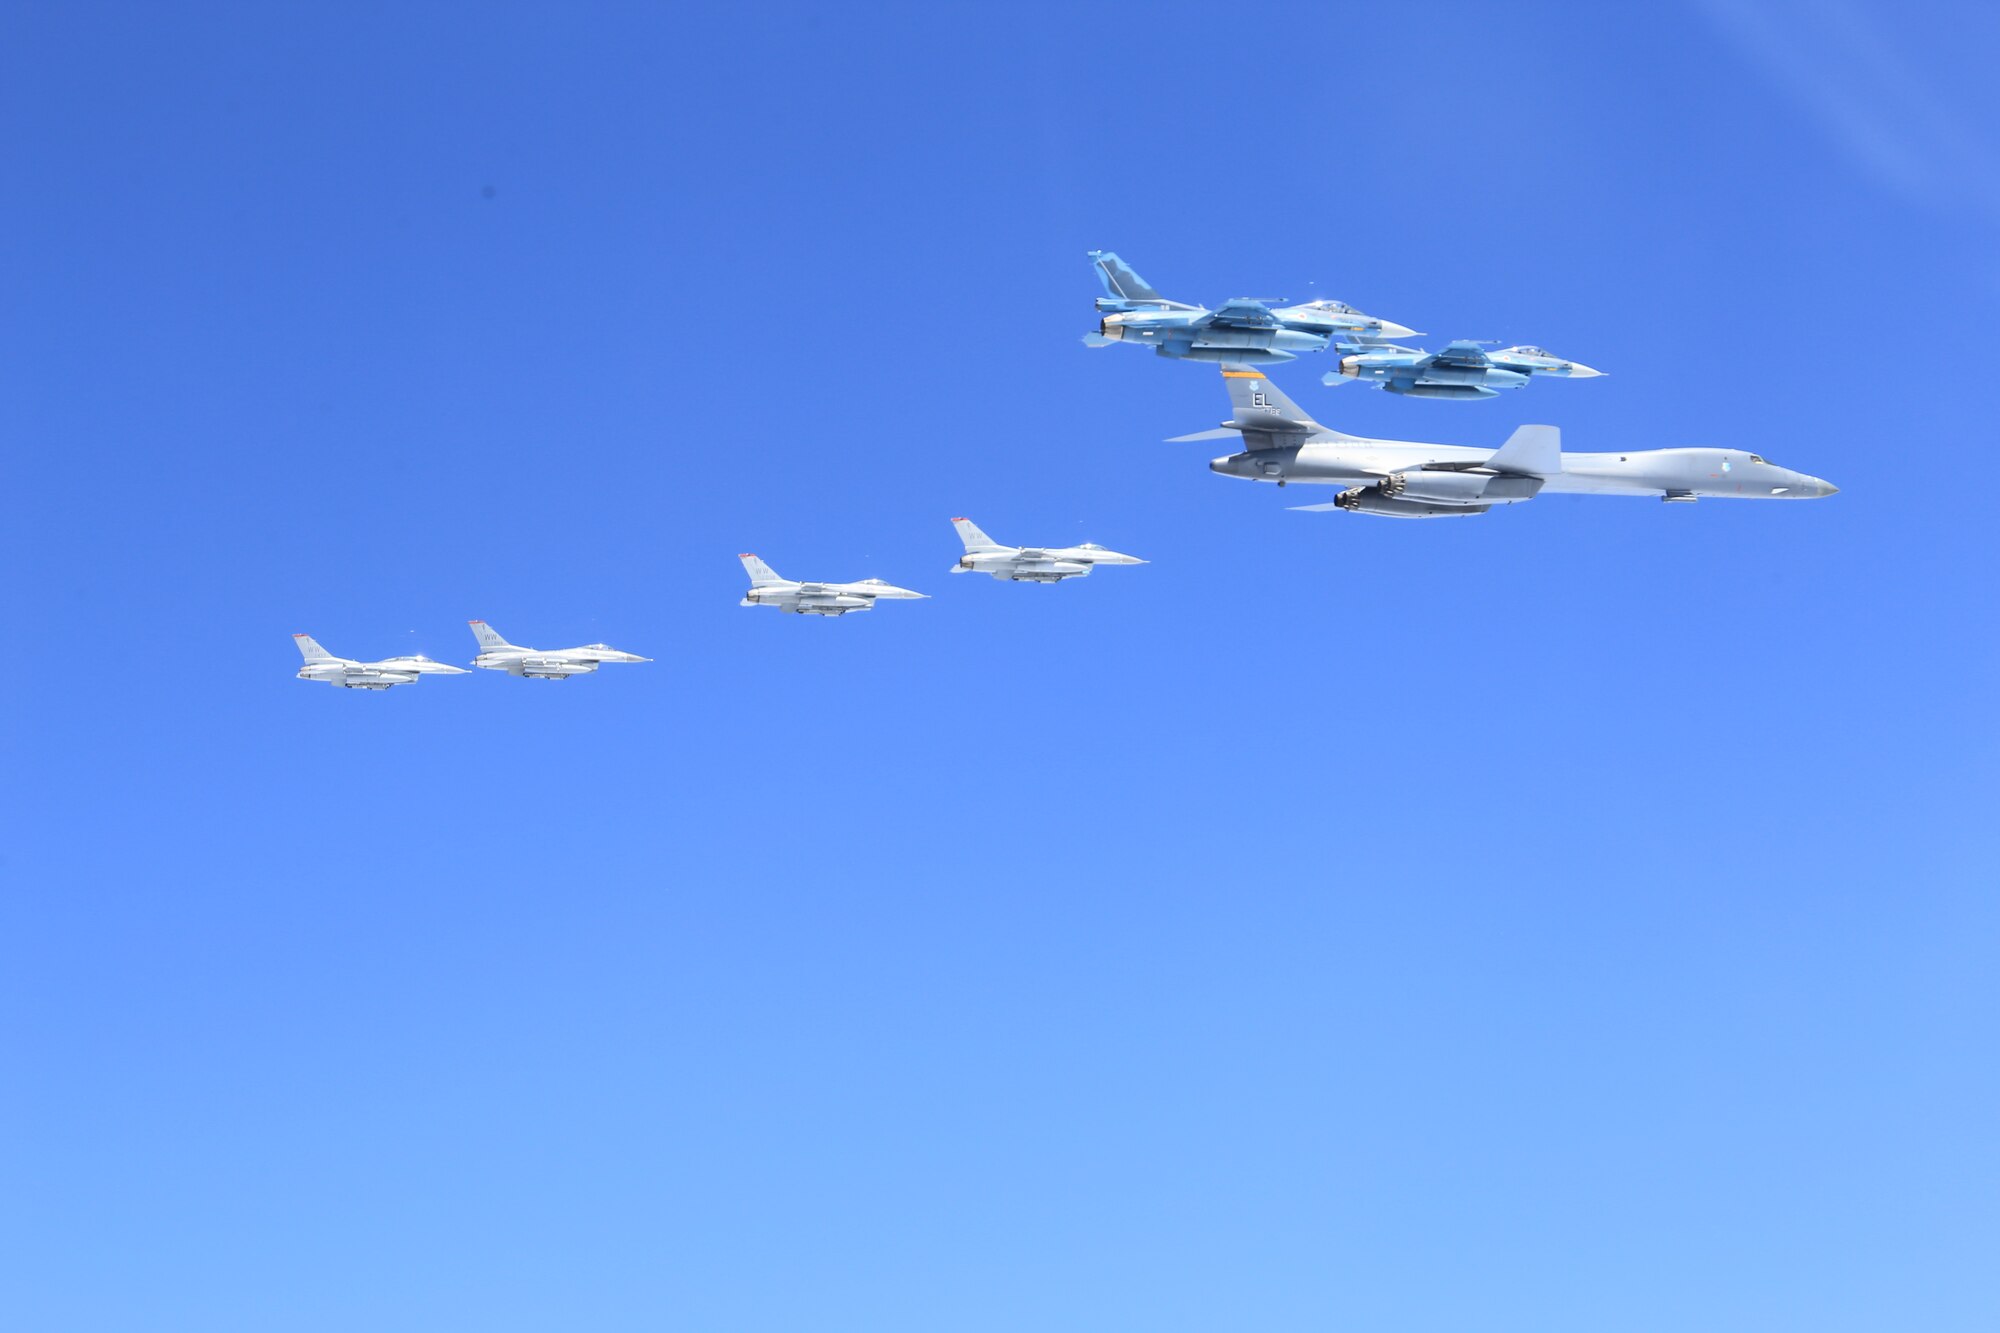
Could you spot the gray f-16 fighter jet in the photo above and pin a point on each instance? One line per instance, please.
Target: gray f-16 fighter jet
(1461, 370)
(1030, 564)
(1398, 479)
(1240, 330)
(815, 599)
(352, 675)
(496, 654)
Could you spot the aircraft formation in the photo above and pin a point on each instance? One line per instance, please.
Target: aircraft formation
(1247, 331)
(1279, 442)
(495, 654)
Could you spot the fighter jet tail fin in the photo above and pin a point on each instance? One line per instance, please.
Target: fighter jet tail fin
(310, 650)
(1531, 451)
(489, 638)
(1121, 283)
(761, 574)
(974, 539)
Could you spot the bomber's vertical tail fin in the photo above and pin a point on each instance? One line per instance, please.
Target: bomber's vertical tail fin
(1121, 283)
(974, 539)
(310, 650)
(1265, 415)
(489, 638)
(761, 574)
(1533, 451)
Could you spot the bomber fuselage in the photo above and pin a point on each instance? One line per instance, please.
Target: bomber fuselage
(1688, 472)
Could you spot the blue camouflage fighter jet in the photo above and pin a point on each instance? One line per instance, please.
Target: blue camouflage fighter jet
(1243, 330)
(1461, 370)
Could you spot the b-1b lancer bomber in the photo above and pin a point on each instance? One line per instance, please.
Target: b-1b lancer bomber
(1399, 479)
(815, 599)
(352, 675)
(1243, 330)
(496, 654)
(1030, 564)
(1461, 370)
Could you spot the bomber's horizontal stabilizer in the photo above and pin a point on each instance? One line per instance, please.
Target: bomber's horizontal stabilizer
(1219, 433)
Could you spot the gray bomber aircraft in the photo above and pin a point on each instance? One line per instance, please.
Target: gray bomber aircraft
(1030, 564)
(352, 675)
(1399, 479)
(496, 654)
(1240, 330)
(815, 599)
(1461, 370)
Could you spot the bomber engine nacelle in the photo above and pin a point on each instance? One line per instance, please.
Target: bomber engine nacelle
(1372, 500)
(1462, 488)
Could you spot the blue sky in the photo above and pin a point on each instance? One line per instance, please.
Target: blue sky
(1578, 918)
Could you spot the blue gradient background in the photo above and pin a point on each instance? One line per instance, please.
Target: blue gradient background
(1580, 918)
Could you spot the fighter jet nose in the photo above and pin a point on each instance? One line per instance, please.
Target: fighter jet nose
(1389, 330)
(1580, 371)
(1822, 489)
